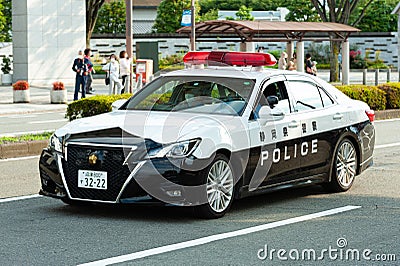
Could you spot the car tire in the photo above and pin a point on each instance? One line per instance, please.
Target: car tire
(344, 167)
(220, 188)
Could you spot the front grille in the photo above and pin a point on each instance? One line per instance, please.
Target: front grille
(110, 160)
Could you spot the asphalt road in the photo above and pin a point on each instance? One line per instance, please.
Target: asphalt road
(35, 122)
(42, 231)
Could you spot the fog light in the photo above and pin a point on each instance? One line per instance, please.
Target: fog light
(174, 193)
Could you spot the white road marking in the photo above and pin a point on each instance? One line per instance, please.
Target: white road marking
(19, 158)
(387, 120)
(48, 121)
(20, 198)
(19, 116)
(212, 238)
(382, 146)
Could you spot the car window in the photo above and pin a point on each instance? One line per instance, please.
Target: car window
(306, 96)
(326, 100)
(212, 95)
(277, 89)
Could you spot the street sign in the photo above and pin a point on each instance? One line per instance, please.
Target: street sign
(186, 18)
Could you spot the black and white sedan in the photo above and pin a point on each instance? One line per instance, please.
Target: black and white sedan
(206, 135)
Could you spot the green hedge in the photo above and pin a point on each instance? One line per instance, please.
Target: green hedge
(392, 91)
(372, 95)
(95, 105)
(99, 69)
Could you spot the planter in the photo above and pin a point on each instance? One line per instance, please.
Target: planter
(6, 79)
(21, 96)
(58, 96)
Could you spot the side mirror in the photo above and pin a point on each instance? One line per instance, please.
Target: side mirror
(272, 101)
(268, 114)
(117, 104)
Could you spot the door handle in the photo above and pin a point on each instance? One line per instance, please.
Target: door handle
(293, 124)
(338, 116)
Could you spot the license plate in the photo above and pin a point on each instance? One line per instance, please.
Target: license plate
(92, 179)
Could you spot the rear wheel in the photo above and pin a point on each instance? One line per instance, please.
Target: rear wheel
(220, 188)
(344, 167)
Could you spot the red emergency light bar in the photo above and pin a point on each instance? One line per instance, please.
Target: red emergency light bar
(230, 58)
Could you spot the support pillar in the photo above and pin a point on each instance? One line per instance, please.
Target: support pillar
(346, 62)
(247, 47)
(290, 50)
(129, 39)
(398, 45)
(300, 56)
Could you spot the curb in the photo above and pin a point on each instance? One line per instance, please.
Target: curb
(22, 149)
(387, 114)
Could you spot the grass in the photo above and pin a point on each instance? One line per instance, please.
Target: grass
(27, 137)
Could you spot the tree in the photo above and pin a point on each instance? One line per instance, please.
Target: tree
(169, 14)
(111, 18)
(92, 11)
(349, 12)
(301, 10)
(212, 14)
(244, 13)
(381, 19)
(5, 21)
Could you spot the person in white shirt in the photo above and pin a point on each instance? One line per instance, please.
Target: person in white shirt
(282, 64)
(125, 68)
(112, 68)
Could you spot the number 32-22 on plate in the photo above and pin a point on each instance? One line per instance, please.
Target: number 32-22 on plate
(92, 179)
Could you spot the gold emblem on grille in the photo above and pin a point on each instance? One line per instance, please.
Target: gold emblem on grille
(92, 159)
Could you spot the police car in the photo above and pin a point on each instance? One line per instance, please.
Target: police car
(223, 128)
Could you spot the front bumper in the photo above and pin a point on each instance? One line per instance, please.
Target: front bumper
(157, 181)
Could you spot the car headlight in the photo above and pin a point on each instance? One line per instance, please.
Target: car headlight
(175, 150)
(56, 143)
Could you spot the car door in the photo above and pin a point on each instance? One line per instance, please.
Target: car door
(321, 121)
(274, 143)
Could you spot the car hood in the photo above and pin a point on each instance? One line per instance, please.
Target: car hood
(161, 127)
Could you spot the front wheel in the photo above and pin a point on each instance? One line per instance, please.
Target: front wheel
(344, 167)
(220, 188)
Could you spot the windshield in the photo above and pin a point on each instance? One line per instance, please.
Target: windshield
(213, 95)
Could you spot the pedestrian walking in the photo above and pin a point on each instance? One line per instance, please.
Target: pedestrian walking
(112, 68)
(309, 65)
(125, 70)
(314, 68)
(89, 77)
(292, 64)
(81, 70)
(282, 64)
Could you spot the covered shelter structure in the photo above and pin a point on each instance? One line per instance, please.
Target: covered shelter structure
(293, 33)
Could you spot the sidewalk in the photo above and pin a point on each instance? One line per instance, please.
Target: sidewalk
(40, 99)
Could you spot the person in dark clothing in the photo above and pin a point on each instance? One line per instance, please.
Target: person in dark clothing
(309, 65)
(81, 70)
(88, 78)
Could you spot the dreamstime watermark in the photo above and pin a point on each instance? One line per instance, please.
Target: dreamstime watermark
(339, 252)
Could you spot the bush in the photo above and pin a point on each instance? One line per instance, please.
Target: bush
(21, 85)
(372, 95)
(171, 60)
(95, 105)
(392, 91)
(58, 86)
(99, 69)
(323, 66)
(6, 65)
